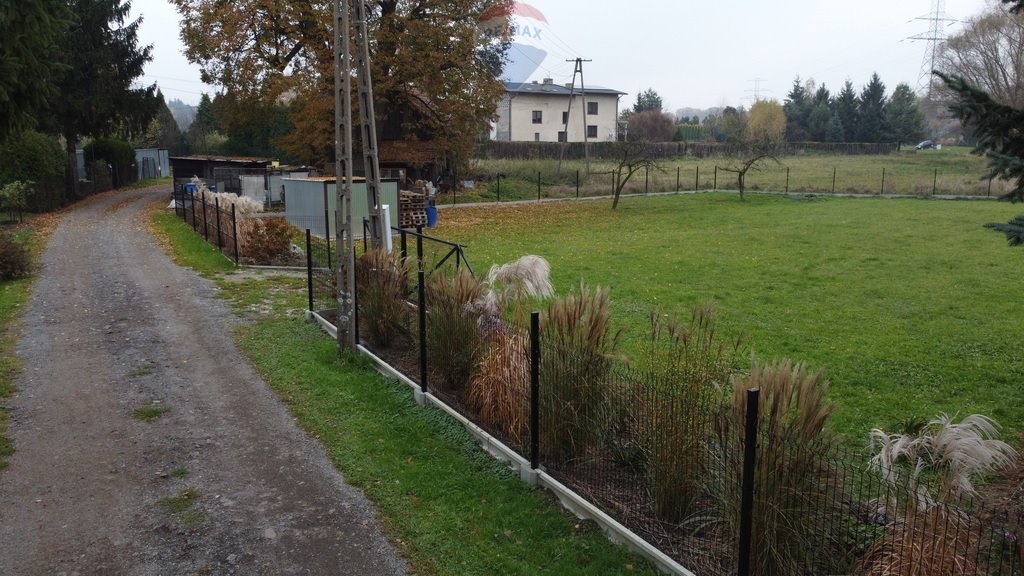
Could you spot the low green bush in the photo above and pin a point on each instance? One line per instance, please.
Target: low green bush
(37, 158)
(15, 259)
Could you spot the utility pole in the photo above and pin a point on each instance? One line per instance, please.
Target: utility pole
(935, 36)
(346, 279)
(344, 10)
(371, 165)
(572, 96)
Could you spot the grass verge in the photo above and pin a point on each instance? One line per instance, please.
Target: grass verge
(14, 294)
(447, 506)
(185, 246)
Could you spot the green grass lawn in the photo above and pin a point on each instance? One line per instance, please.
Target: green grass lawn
(448, 506)
(911, 306)
(949, 171)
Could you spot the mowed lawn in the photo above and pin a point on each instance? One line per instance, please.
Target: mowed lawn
(910, 306)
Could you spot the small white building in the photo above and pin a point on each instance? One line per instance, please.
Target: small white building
(539, 112)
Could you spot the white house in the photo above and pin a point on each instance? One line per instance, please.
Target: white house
(538, 111)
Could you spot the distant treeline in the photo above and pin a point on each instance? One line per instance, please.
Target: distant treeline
(612, 150)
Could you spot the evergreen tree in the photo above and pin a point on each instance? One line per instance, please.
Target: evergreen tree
(797, 107)
(835, 132)
(871, 111)
(903, 116)
(997, 128)
(845, 107)
(163, 131)
(103, 59)
(29, 32)
(648, 101)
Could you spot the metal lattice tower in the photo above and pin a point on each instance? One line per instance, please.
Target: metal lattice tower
(934, 37)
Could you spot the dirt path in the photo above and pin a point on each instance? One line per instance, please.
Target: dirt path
(223, 483)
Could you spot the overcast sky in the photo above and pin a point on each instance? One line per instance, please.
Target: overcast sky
(694, 54)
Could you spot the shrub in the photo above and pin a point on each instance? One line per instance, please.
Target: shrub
(499, 389)
(34, 157)
(265, 240)
(795, 492)
(382, 281)
(927, 533)
(453, 327)
(690, 369)
(579, 346)
(14, 198)
(15, 259)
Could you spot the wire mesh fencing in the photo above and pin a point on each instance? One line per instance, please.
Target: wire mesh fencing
(216, 223)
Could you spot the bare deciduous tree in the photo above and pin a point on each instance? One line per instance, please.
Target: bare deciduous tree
(633, 156)
(756, 155)
(989, 53)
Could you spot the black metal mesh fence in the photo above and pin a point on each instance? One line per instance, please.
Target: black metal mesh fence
(667, 458)
(217, 223)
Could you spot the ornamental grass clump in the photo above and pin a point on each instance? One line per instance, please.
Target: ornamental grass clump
(796, 495)
(382, 281)
(930, 472)
(454, 341)
(499, 390)
(579, 347)
(689, 367)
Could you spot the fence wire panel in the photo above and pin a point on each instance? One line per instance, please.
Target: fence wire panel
(323, 280)
(214, 222)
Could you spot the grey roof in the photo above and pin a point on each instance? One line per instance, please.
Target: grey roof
(558, 89)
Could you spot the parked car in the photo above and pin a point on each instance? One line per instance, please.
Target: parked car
(926, 145)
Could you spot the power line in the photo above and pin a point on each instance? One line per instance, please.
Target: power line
(757, 91)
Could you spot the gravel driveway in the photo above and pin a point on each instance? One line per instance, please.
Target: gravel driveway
(222, 483)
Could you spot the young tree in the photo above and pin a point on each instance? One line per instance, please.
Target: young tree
(733, 124)
(632, 157)
(871, 105)
(435, 75)
(651, 125)
(765, 132)
(648, 101)
(29, 33)
(103, 60)
(903, 116)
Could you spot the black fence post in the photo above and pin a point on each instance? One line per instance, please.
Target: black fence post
(419, 247)
(883, 181)
(234, 227)
(577, 184)
(538, 186)
(647, 179)
(787, 179)
(696, 180)
(206, 222)
(422, 277)
(749, 468)
(678, 173)
(404, 245)
(216, 207)
(715, 186)
(935, 182)
(535, 390)
(499, 188)
(833, 179)
(309, 267)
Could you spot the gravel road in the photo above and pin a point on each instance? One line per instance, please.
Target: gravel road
(223, 483)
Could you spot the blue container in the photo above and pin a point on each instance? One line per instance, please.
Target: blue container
(431, 217)
(191, 188)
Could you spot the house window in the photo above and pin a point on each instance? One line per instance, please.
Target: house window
(536, 136)
(565, 117)
(592, 108)
(591, 131)
(562, 137)
(538, 117)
